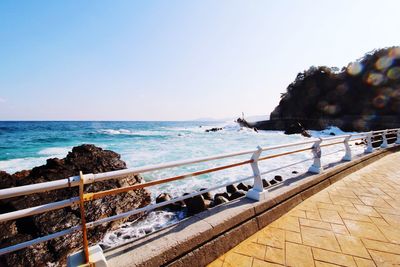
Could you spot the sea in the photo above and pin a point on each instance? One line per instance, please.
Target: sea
(26, 144)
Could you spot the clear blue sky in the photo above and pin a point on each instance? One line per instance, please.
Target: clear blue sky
(174, 60)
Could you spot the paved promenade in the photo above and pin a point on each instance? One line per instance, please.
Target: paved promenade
(354, 222)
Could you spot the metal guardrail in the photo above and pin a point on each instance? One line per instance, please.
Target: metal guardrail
(313, 145)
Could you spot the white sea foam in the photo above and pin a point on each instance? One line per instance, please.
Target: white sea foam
(130, 132)
(55, 151)
(13, 165)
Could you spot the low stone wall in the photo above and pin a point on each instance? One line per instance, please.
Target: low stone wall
(203, 237)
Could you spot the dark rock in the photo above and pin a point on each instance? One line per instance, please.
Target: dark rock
(272, 182)
(173, 206)
(237, 194)
(206, 195)
(265, 183)
(295, 172)
(86, 158)
(195, 204)
(213, 130)
(278, 178)
(218, 200)
(243, 187)
(225, 195)
(231, 189)
(332, 133)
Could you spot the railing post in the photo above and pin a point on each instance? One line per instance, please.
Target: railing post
(369, 148)
(256, 192)
(384, 137)
(83, 219)
(398, 137)
(316, 150)
(347, 156)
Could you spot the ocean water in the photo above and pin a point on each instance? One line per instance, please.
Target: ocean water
(24, 145)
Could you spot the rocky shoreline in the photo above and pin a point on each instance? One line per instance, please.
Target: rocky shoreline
(85, 158)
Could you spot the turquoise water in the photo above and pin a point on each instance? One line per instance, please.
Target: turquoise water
(24, 145)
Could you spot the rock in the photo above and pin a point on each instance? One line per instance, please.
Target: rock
(206, 195)
(195, 204)
(272, 182)
(231, 189)
(243, 187)
(278, 178)
(295, 172)
(225, 195)
(177, 206)
(213, 130)
(332, 133)
(294, 128)
(237, 194)
(218, 200)
(89, 159)
(265, 183)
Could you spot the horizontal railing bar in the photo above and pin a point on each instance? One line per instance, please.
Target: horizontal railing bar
(159, 205)
(39, 240)
(38, 187)
(92, 196)
(38, 209)
(284, 154)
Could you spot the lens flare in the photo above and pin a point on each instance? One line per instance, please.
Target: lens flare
(354, 68)
(375, 78)
(393, 73)
(380, 101)
(383, 63)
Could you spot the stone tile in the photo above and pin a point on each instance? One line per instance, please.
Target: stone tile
(216, 263)
(297, 213)
(251, 249)
(314, 224)
(313, 215)
(324, 264)
(379, 221)
(233, 259)
(381, 246)
(391, 233)
(384, 258)
(287, 223)
(352, 245)
(366, 210)
(333, 257)
(293, 237)
(361, 262)
(275, 255)
(329, 206)
(364, 229)
(355, 216)
(298, 255)
(392, 219)
(375, 202)
(319, 238)
(260, 263)
(339, 229)
(331, 216)
(272, 237)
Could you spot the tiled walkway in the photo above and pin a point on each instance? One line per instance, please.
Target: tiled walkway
(354, 222)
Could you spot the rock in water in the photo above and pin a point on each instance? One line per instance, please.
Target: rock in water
(231, 188)
(195, 204)
(85, 158)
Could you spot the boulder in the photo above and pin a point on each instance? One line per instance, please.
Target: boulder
(237, 194)
(206, 195)
(218, 200)
(231, 189)
(85, 158)
(195, 204)
(278, 178)
(225, 195)
(177, 206)
(214, 130)
(265, 183)
(243, 187)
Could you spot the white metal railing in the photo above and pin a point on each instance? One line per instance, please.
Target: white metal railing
(256, 193)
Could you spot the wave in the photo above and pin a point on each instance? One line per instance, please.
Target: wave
(55, 151)
(14, 165)
(142, 133)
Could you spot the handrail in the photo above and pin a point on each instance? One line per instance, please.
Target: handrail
(91, 178)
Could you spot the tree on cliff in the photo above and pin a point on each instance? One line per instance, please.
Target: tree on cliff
(364, 95)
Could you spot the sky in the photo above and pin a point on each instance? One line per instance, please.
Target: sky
(174, 60)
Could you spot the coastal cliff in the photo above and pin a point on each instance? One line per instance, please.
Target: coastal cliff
(85, 158)
(363, 96)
